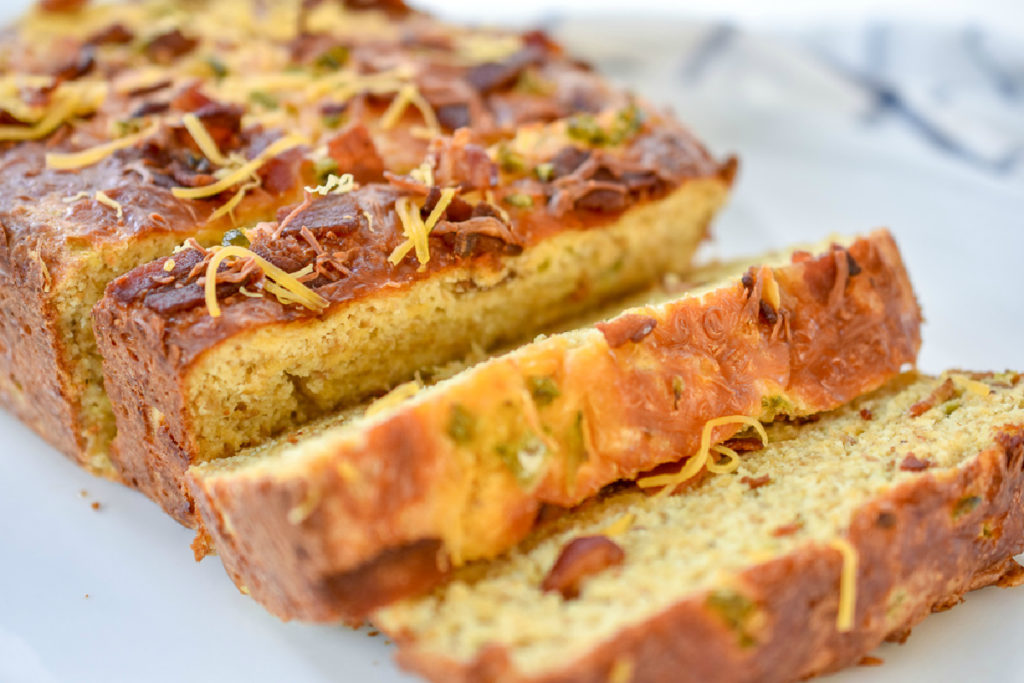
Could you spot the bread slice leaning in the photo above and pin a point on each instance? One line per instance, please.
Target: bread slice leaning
(841, 533)
(352, 515)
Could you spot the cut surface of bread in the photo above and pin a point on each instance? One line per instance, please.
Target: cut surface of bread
(359, 513)
(840, 533)
(127, 128)
(214, 386)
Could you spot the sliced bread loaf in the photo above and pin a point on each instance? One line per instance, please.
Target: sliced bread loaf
(368, 508)
(840, 533)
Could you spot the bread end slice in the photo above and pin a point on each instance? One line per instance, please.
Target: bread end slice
(889, 508)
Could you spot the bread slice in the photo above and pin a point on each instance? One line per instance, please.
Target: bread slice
(842, 532)
(349, 516)
(64, 234)
(127, 128)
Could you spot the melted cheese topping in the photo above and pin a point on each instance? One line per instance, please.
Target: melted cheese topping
(237, 175)
(281, 284)
(105, 199)
(93, 155)
(697, 461)
(847, 584)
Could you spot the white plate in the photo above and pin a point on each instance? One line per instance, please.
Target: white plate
(114, 595)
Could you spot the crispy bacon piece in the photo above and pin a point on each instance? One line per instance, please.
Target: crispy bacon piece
(756, 482)
(942, 393)
(457, 161)
(580, 558)
(354, 152)
(912, 463)
(479, 234)
(169, 46)
(491, 76)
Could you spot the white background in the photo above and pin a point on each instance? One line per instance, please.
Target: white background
(152, 614)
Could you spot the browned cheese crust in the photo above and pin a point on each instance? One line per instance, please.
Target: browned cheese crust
(308, 542)
(905, 539)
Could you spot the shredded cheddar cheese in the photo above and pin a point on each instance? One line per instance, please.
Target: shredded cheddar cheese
(76, 196)
(847, 584)
(203, 139)
(168, 265)
(229, 206)
(68, 101)
(93, 155)
(619, 526)
(105, 199)
(334, 185)
(408, 94)
(415, 229)
(702, 456)
(281, 284)
(423, 173)
(239, 174)
(731, 466)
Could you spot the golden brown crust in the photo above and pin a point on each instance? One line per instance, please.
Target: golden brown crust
(426, 473)
(906, 539)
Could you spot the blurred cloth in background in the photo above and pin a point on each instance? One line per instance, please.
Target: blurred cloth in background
(960, 90)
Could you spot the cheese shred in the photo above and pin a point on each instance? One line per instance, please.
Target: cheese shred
(94, 155)
(703, 455)
(415, 229)
(847, 584)
(619, 526)
(203, 139)
(105, 199)
(229, 206)
(281, 284)
(242, 172)
(334, 185)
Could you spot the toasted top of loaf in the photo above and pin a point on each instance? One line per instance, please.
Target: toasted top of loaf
(460, 470)
(910, 450)
(210, 115)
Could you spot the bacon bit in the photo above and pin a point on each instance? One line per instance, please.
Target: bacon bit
(866, 414)
(96, 505)
(942, 393)
(292, 214)
(787, 529)
(744, 444)
(115, 34)
(166, 47)
(871, 661)
(627, 328)
(768, 313)
(354, 151)
(579, 559)
(912, 463)
(756, 482)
